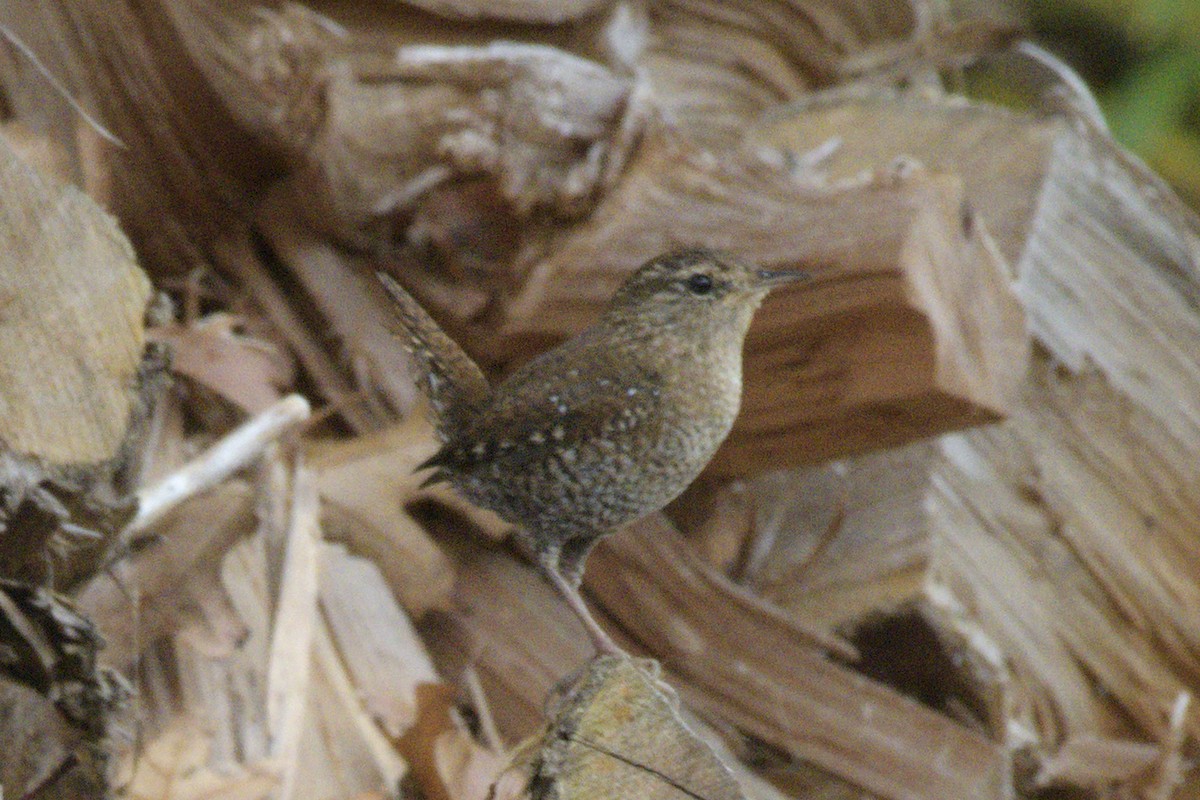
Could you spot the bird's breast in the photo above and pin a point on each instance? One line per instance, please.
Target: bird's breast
(624, 437)
(701, 407)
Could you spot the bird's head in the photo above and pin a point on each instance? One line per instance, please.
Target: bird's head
(698, 281)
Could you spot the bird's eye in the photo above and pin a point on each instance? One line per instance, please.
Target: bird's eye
(699, 283)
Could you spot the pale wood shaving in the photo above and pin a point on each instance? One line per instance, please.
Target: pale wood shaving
(378, 645)
(384, 759)
(174, 766)
(290, 659)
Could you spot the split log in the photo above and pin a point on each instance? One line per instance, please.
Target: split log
(76, 380)
(908, 328)
(750, 668)
(1054, 550)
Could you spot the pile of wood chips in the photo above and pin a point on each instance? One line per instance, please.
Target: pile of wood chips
(950, 551)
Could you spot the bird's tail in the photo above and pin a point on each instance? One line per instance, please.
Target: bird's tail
(455, 385)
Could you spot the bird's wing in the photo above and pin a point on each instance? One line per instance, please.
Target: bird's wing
(454, 383)
(544, 405)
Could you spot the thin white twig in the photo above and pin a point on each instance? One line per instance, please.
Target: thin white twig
(1071, 87)
(57, 85)
(487, 723)
(237, 449)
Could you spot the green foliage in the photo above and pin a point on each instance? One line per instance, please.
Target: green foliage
(1142, 57)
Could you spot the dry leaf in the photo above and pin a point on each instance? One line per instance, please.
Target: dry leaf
(364, 484)
(251, 373)
(447, 764)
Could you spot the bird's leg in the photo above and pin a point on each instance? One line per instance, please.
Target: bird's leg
(603, 642)
(563, 566)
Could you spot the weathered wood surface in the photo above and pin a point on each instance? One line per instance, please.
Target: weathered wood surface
(1035, 567)
(738, 660)
(1059, 546)
(72, 330)
(908, 328)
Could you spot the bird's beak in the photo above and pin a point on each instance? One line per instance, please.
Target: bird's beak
(769, 278)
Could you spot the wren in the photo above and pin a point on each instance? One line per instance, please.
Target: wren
(608, 426)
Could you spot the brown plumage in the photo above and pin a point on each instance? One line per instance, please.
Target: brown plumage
(608, 426)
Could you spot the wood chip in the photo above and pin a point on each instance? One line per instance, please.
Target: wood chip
(71, 332)
(616, 732)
